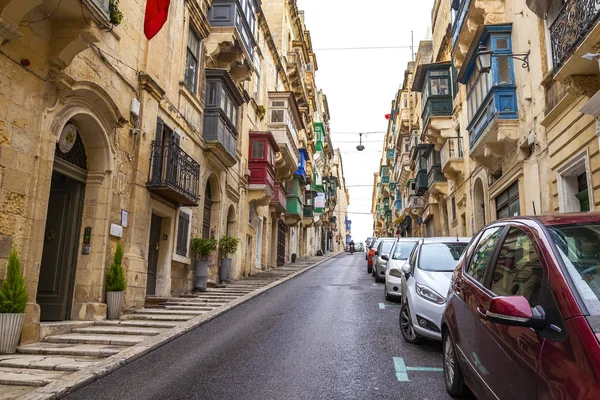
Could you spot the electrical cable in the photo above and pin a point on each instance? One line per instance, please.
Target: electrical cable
(363, 48)
(43, 19)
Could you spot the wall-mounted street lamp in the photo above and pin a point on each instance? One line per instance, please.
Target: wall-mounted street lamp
(484, 59)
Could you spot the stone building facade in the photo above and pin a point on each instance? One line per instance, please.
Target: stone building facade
(106, 136)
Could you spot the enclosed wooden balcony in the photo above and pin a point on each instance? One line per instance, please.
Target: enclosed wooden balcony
(285, 123)
(294, 203)
(231, 43)
(279, 200)
(261, 163)
(174, 175)
(453, 162)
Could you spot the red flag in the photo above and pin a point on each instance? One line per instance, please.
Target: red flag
(388, 116)
(157, 12)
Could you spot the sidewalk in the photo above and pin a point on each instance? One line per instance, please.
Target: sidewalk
(64, 362)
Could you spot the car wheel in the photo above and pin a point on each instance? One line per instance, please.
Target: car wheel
(406, 326)
(455, 382)
(369, 269)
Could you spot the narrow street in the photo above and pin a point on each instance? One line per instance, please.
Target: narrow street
(327, 334)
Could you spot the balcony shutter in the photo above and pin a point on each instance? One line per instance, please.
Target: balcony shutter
(160, 125)
(540, 7)
(182, 234)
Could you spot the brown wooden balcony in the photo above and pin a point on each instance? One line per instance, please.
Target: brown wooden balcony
(174, 175)
(279, 200)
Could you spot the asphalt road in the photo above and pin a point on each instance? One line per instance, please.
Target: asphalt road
(322, 335)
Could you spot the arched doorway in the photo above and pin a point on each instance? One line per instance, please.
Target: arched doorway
(479, 210)
(207, 215)
(63, 225)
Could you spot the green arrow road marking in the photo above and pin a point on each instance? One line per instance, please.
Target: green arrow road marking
(374, 284)
(402, 369)
(381, 306)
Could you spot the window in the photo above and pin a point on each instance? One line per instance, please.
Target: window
(483, 253)
(573, 183)
(385, 247)
(439, 257)
(507, 202)
(192, 61)
(403, 250)
(258, 150)
(277, 116)
(182, 234)
(453, 209)
(518, 270)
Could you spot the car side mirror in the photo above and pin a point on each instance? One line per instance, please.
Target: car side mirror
(385, 258)
(406, 268)
(515, 311)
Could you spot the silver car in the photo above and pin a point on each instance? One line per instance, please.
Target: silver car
(381, 257)
(401, 250)
(425, 283)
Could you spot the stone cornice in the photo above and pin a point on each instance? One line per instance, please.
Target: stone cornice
(151, 86)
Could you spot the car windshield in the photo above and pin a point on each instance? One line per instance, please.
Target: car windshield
(440, 257)
(579, 248)
(403, 250)
(386, 247)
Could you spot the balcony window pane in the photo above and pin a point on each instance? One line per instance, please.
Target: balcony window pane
(439, 86)
(277, 116)
(211, 94)
(191, 64)
(502, 44)
(504, 71)
(258, 150)
(223, 99)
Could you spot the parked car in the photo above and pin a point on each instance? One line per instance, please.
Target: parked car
(360, 247)
(401, 250)
(381, 257)
(425, 283)
(523, 313)
(371, 254)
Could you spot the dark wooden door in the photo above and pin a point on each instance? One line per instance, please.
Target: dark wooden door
(153, 254)
(207, 211)
(281, 243)
(59, 256)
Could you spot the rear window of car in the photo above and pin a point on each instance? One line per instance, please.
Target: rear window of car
(403, 249)
(386, 247)
(440, 257)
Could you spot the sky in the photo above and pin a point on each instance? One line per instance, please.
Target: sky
(361, 84)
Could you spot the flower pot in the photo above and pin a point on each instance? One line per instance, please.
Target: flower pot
(10, 332)
(114, 304)
(225, 271)
(201, 268)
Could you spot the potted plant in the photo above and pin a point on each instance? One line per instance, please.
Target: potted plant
(228, 245)
(115, 285)
(260, 112)
(13, 300)
(203, 248)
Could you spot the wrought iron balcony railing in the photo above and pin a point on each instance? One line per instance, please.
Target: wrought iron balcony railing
(574, 22)
(174, 175)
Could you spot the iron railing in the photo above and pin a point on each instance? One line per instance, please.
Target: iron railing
(574, 22)
(172, 168)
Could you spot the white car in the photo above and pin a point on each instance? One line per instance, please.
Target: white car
(393, 273)
(425, 283)
(381, 258)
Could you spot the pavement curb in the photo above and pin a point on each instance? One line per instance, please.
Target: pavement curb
(79, 379)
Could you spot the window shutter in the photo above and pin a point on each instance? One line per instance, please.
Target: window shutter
(176, 138)
(160, 125)
(182, 234)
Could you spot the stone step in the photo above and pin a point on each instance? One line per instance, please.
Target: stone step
(83, 338)
(50, 363)
(137, 324)
(198, 300)
(28, 377)
(188, 307)
(166, 312)
(193, 304)
(10, 392)
(91, 350)
(119, 330)
(158, 317)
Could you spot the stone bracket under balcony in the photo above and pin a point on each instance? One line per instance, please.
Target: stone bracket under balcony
(454, 169)
(226, 50)
(262, 194)
(438, 129)
(500, 136)
(70, 34)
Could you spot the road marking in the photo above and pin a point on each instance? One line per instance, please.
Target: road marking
(402, 369)
(382, 306)
(374, 284)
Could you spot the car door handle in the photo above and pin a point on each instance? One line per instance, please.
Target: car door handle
(481, 312)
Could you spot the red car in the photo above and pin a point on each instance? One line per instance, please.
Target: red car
(522, 319)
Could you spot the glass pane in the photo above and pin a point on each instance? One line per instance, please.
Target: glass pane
(518, 271)
(193, 43)
(483, 253)
(502, 212)
(502, 44)
(403, 250)
(223, 99)
(439, 86)
(258, 150)
(504, 71)
(514, 208)
(212, 94)
(440, 256)
(277, 115)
